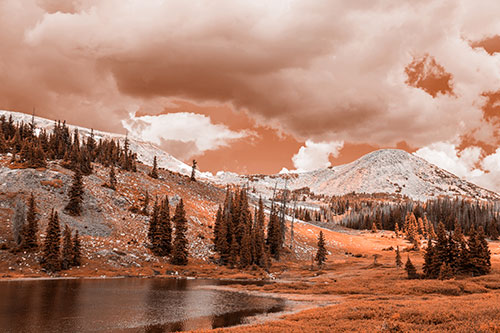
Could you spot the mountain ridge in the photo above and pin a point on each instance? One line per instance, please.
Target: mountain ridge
(391, 171)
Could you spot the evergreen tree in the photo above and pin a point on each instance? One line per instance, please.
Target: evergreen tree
(162, 244)
(480, 262)
(396, 230)
(445, 272)
(180, 251)
(74, 206)
(30, 228)
(193, 170)
(429, 268)
(410, 269)
(154, 170)
(77, 255)
(399, 262)
(112, 178)
(145, 204)
(374, 227)
(19, 222)
(67, 250)
(51, 259)
(217, 229)
(321, 253)
(274, 235)
(260, 257)
(153, 223)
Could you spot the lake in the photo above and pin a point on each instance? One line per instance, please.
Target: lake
(125, 305)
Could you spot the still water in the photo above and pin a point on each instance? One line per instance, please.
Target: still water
(124, 305)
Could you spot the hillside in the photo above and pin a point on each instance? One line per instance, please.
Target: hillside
(381, 171)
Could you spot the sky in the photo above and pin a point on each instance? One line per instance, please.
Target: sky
(266, 86)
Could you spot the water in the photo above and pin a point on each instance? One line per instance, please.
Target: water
(124, 305)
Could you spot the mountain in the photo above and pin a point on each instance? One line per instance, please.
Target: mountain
(381, 171)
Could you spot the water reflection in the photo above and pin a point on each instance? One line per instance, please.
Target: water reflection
(124, 305)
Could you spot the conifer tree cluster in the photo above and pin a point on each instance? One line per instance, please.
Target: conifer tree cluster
(238, 236)
(160, 229)
(452, 254)
(167, 236)
(53, 257)
(367, 209)
(34, 147)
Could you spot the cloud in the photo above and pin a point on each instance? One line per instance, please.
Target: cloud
(182, 134)
(469, 164)
(288, 63)
(315, 155)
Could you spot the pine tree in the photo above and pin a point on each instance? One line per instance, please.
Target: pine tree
(180, 251)
(399, 262)
(396, 230)
(480, 256)
(67, 250)
(112, 178)
(259, 240)
(441, 249)
(30, 228)
(321, 253)
(154, 170)
(217, 228)
(374, 227)
(246, 247)
(74, 206)
(162, 244)
(445, 272)
(51, 260)
(153, 223)
(274, 235)
(429, 268)
(145, 204)
(410, 269)
(193, 170)
(77, 255)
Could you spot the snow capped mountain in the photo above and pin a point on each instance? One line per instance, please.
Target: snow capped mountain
(381, 171)
(145, 151)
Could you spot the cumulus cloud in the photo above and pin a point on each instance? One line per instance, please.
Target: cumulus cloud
(469, 164)
(315, 155)
(287, 62)
(182, 134)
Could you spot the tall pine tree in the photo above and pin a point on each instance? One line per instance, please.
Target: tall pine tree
(180, 251)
